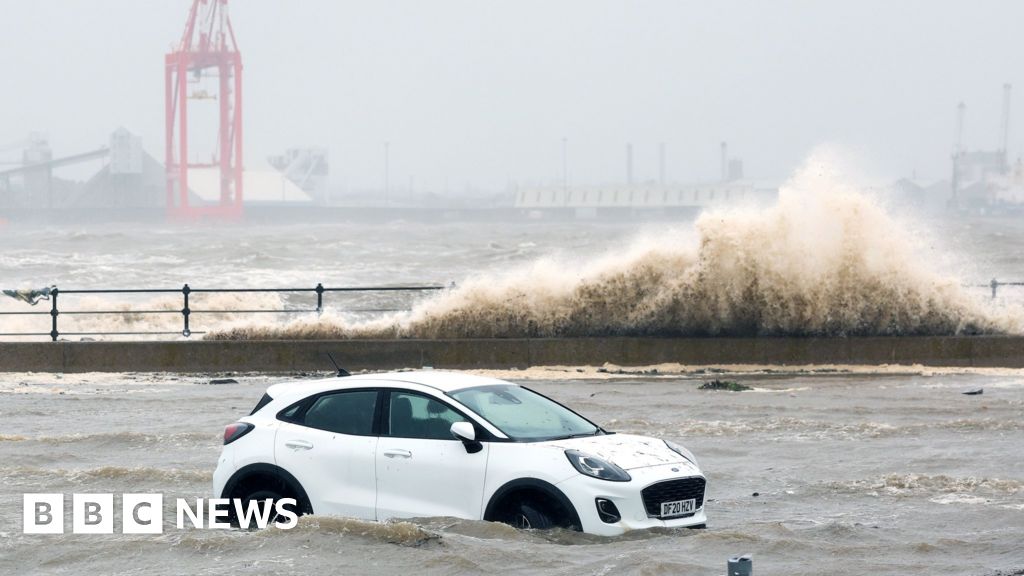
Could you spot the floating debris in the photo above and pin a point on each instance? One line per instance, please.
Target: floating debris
(729, 385)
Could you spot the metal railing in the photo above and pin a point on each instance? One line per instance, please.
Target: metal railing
(995, 284)
(187, 311)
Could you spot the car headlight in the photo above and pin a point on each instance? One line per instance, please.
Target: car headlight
(596, 467)
(682, 452)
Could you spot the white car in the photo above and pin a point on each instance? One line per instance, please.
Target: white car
(431, 443)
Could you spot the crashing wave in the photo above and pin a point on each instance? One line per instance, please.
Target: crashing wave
(826, 260)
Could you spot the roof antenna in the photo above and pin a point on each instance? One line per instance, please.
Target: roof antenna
(341, 371)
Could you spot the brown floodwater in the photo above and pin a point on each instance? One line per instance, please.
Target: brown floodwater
(812, 472)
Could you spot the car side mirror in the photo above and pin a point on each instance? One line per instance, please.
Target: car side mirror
(465, 432)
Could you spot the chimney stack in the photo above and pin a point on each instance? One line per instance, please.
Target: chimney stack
(958, 150)
(629, 164)
(725, 162)
(661, 164)
(1005, 136)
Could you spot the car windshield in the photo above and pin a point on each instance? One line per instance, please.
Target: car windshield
(523, 414)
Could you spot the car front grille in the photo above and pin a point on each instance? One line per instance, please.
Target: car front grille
(672, 490)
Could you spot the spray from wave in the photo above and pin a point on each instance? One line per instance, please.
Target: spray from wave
(826, 260)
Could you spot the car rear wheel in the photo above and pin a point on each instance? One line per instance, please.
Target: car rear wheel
(265, 494)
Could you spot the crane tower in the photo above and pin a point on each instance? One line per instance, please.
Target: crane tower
(207, 52)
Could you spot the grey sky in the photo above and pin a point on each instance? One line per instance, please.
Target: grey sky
(483, 91)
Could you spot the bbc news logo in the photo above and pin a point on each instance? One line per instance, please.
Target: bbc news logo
(144, 513)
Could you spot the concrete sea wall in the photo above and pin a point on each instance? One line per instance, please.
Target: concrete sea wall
(293, 355)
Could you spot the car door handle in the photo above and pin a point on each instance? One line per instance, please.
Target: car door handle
(298, 444)
(398, 453)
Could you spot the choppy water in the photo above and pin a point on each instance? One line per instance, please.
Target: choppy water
(856, 473)
(831, 258)
(349, 253)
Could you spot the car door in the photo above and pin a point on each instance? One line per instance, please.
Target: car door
(328, 443)
(421, 469)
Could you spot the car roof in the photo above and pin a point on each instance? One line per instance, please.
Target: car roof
(438, 379)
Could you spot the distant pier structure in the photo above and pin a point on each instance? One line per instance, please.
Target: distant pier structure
(640, 199)
(645, 199)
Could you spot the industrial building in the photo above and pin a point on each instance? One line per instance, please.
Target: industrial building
(203, 69)
(986, 181)
(128, 183)
(208, 180)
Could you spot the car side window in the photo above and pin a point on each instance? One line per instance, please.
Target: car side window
(416, 416)
(343, 412)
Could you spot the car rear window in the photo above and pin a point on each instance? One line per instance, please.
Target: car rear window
(343, 412)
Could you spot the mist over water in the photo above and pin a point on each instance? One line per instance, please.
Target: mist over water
(826, 260)
(832, 257)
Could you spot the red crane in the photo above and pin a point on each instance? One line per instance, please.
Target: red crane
(207, 50)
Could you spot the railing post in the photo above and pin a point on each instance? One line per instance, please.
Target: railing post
(54, 313)
(740, 566)
(995, 286)
(319, 298)
(185, 311)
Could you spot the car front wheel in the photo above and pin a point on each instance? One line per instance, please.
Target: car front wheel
(528, 515)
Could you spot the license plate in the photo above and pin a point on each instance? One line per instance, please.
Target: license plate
(678, 507)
